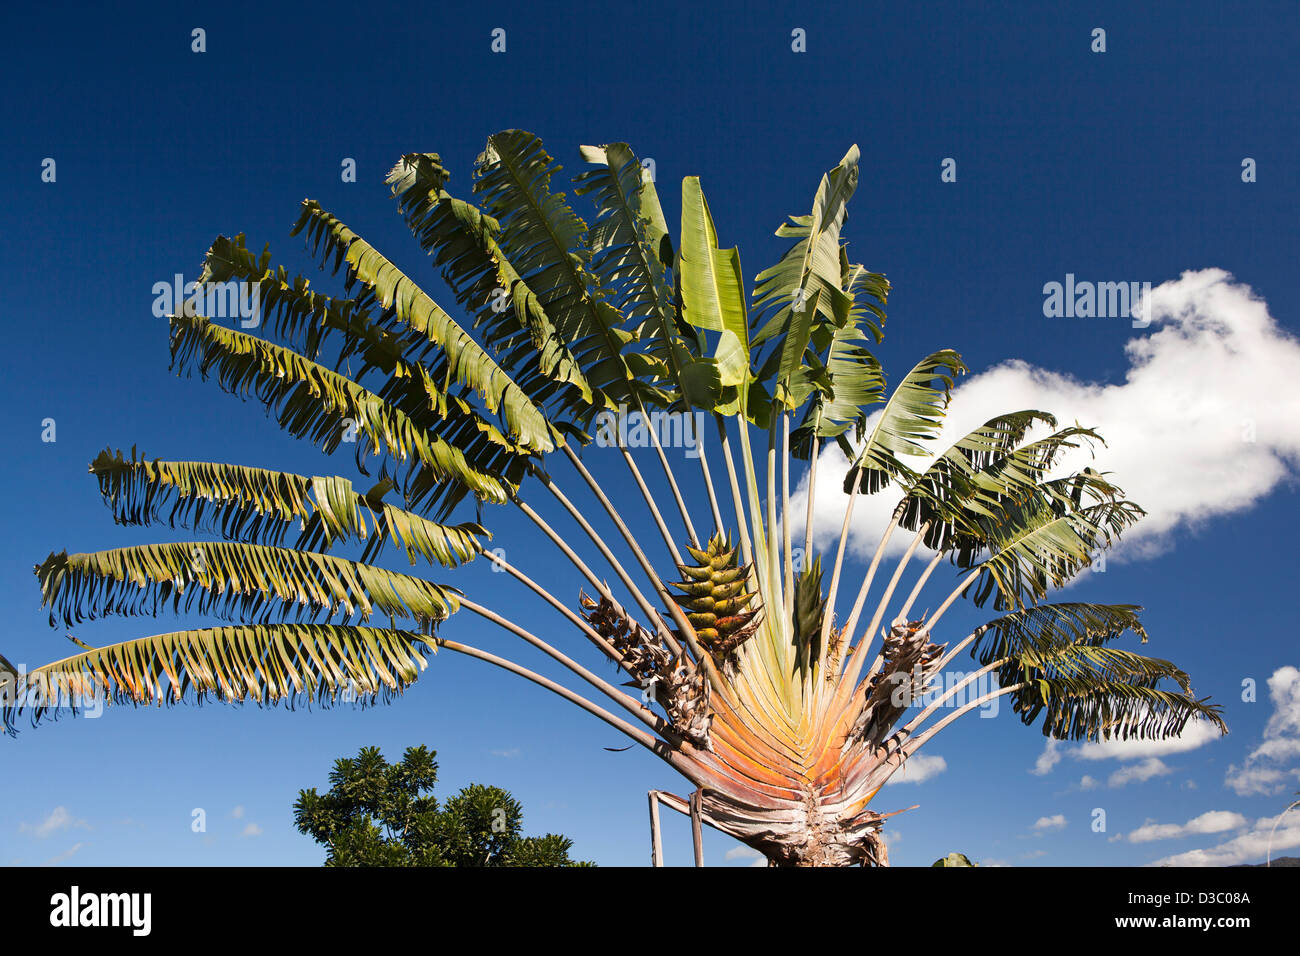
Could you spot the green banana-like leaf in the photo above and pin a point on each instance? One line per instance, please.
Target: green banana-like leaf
(713, 291)
(1088, 692)
(913, 414)
(1043, 544)
(1089, 689)
(633, 255)
(811, 265)
(232, 581)
(972, 479)
(547, 243)
(416, 379)
(464, 243)
(313, 402)
(1037, 631)
(257, 505)
(304, 318)
(271, 664)
(468, 363)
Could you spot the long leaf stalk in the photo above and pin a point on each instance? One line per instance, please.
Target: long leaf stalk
(854, 667)
(632, 706)
(697, 439)
(649, 500)
(812, 501)
(702, 658)
(668, 473)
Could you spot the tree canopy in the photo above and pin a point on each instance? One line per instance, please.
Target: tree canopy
(378, 813)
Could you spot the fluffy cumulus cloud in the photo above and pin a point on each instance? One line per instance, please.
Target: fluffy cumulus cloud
(1205, 422)
(1271, 766)
(1048, 824)
(1267, 836)
(918, 769)
(1212, 821)
(1140, 759)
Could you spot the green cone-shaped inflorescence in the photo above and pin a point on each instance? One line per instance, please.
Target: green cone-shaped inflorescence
(809, 611)
(714, 598)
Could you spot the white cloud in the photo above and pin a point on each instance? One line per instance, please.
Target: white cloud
(1284, 689)
(65, 855)
(1146, 753)
(1249, 847)
(252, 830)
(1263, 772)
(237, 813)
(919, 769)
(1047, 824)
(1196, 733)
(508, 753)
(1212, 821)
(1258, 781)
(1138, 772)
(58, 820)
(1048, 759)
(746, 853)
(1204, 422)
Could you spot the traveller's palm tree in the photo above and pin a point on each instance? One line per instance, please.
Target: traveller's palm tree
(781, 710)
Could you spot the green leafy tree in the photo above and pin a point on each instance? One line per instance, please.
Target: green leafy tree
(779, 682)
(381, 814)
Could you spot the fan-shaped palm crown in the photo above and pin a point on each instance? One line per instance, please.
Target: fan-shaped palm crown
(783, 714)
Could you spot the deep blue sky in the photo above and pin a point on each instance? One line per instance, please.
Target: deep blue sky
(1123, 165)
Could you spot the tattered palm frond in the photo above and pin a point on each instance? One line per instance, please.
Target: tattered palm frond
(417, 371)
(848, 381)
(313, 402)
(1043, 544)
(546, 242)
(232, 581)
(464, 243)
(1103, 693)
(273, 664)
(633, 254)
(969, 481)
(809, 278)
(256, 505)
(1041, 628)
(304, 318)
(913, 414)
(467, 362)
